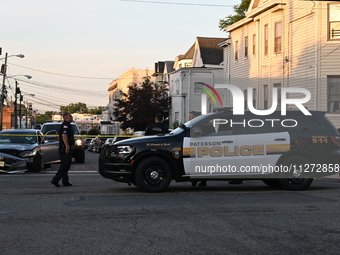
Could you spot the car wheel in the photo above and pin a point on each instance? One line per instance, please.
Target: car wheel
(153, 175)
(80, 157)
(295, 179)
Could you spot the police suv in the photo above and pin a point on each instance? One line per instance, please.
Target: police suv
(283, 151)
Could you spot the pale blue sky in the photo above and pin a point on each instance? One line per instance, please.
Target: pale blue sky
(100, 39)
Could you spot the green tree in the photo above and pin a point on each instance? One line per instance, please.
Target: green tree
(138, 107)
(240, 13)
(81, 108)
(96, 110)
(75, 108)
(47, 116)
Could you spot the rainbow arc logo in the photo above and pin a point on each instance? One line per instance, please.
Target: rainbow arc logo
(211, 92)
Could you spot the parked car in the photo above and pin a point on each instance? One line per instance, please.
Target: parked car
(99, 142)
(90, 145)
(108, 140)
(87, 142)
(30, 145)
(79, 151)
(139, 133)
(11, 164)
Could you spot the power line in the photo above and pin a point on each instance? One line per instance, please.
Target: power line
(66, 75)
(63, 89)
(175, 3)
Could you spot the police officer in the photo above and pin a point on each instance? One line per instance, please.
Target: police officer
(158, 127)
(66, 143)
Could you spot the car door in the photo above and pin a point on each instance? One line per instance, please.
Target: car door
(259, 143)
(209, 151)
(49, 147)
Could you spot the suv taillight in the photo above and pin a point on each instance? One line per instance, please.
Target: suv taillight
(336, 139)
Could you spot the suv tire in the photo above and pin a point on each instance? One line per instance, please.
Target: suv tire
(153, 175)
(294, 181)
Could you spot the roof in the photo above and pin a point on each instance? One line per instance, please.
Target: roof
(189, 54)
(169, 66)
(211, 52)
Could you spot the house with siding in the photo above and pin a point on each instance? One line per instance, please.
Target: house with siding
(287, 43)
(109, 125)
(202, 63)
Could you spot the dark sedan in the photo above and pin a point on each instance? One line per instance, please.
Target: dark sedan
(31, 145)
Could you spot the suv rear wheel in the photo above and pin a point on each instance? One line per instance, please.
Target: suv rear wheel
(295, 179)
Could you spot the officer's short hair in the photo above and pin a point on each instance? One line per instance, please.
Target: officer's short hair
(159, 117)
(65, 114)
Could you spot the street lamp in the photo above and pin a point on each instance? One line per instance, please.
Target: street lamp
(25, 75)
(19, 56)
(3, 71)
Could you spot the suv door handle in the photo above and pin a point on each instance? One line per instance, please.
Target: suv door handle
(280, 139)
(227, 141)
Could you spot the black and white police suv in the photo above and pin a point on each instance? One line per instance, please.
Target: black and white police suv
(283, 151)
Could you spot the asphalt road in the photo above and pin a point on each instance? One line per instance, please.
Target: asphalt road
(99, 216)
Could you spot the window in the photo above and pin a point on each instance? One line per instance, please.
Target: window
(254, 98)
(198, 88)
(177, 86)
(265, 96)
(246, 47)
(277, 39)
(278, 86)
(266, 40)
(245, 99)
(254, 44)
(334, 21)
(236, 51)
(333, 83)
(176, 116)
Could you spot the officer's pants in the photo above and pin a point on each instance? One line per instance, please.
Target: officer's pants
(65, 166)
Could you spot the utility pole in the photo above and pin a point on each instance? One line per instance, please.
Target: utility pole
(21, 98)
(3, 71)
(17, 91)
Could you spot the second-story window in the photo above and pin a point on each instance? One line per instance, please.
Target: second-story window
(277, 39)
(254, 98)
(334, 21)
(246, 47)
(236, 51)
(254, 44)
(265, 96)
(265, 31)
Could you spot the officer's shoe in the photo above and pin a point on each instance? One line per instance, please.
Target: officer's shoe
(67, 184)
(55, 183)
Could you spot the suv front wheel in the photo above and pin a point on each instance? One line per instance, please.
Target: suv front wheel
(153, 175)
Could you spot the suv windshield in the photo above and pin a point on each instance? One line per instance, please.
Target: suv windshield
(56, 126)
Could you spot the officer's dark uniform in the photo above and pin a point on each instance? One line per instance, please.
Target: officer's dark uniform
(65, 159)
(156, 128)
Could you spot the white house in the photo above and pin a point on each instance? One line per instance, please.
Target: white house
(287, 43)
(199, 68)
